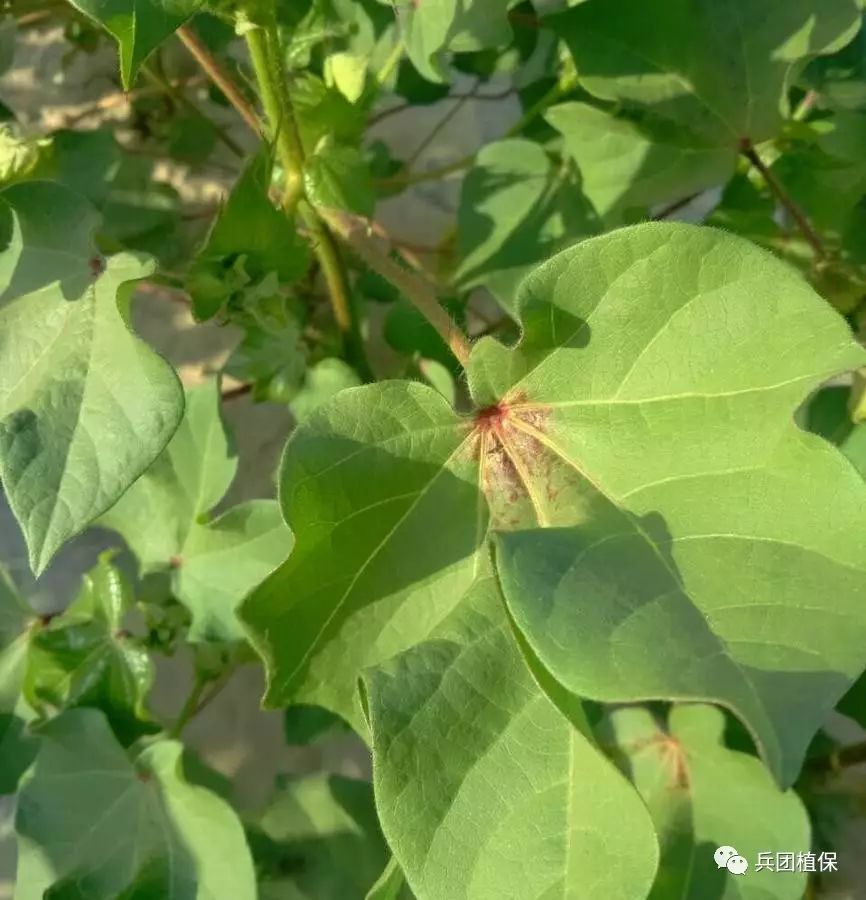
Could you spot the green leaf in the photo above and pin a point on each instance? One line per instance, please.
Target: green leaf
(348, 73)
(840, 78)
(84, 657)
(720, 72)
(319, 838)
(251, 232)
(85, 406)
(701, 796)
(458, 25)
(515, 211)
(337, 176)
(138, 26)
(17, 622)
(304, 725)
(391, 884)
(272, 354)
(323, 381)
(165, 520)
(19, 156)
(484, 788)
(653, 392)
(129, 827)
(323, 112)
(630, 164)
(667, 434)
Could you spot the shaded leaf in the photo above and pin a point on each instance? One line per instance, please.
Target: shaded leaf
(322, 840)
(138, 26)
(458, 25)
(167, 838)
(515, 211)
(85, 406)
(165, 520)
(720, 72)
(84, 657)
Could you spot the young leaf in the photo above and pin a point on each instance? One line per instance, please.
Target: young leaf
(129, 827)
(515, 211)
(138, 26)
(249, 230)
(84, 657)
(164, 519)
(85, 406)
(337, 175)
(484, 788)
(701, 796)
(319, 839)
(721, 72)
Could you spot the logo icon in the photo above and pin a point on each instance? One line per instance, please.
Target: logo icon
(726, 857)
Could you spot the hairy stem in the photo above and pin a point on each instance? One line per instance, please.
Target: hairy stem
(812, 237)
(180, 98)
(190, 707)
(283, 130)
(359, 235)
(219, 76)
(267, 59)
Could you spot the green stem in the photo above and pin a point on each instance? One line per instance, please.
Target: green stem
(406, 179)
(390, 63)
(794, 210)
(215, 70)
(176, 94)
(358, 234)
(267, 60)
(837, 760)
(263, 44)
(189, 708)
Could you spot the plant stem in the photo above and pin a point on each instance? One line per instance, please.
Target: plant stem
(390, 63)
(787, 201)
(270, 74)
(835, 761)
(219, 76)
(804, 107)
(358, 234)
(437, 129)
(265, 57)
(405, 179)
(189, 708)
(176, 94)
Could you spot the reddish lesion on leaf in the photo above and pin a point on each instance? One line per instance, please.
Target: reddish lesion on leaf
(672, 755)
(514, 466)
(97, 265)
